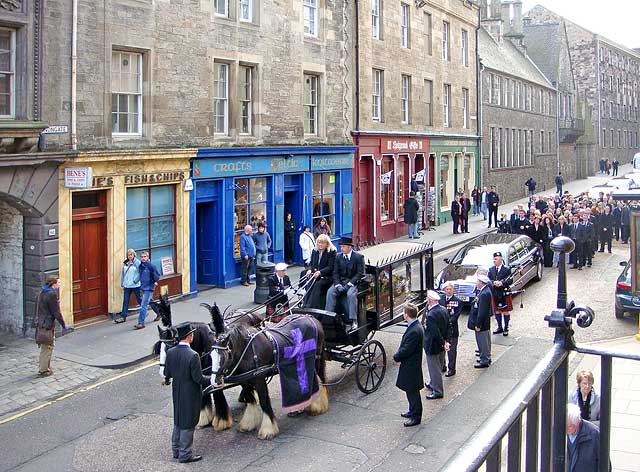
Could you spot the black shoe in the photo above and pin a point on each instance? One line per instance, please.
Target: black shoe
(433, 396)
(588, 265)
(579, 268)
(451, 373)
(601, 250)
(574, 267)
(426, 385)
(190, 459)
(406, 415)
(477, 354)
(505, 332)
(481, 366)
(444, 369)
(412, 422)
(498, 331)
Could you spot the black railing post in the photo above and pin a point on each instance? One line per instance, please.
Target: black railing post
(531, 435)
(605, 411)
(560, 377)
(546, 415)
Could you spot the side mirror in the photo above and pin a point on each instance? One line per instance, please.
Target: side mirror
(623, 264)
(447, 260)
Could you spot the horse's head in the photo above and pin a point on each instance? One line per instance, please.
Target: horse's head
(163, 308)
(167, 337)
(228, 352)
(217, 324)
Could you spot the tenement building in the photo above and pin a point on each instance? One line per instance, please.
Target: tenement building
(607, 75)
(519, 104)
(415, 110)
(176, 124)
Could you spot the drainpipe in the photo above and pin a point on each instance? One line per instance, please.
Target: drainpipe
(74, 50)
(479, 69)
(598, 111)
(558, 127)
(357, 75)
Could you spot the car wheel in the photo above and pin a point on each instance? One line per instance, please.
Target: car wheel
(538, 276)
(619, 312)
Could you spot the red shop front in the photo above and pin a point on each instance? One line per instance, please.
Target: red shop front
(383, 167)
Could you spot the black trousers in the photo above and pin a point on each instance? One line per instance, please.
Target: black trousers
(456, 223)
(246, 265)
(181, 442)
(493, 210)
(465, 224)
(584, 253)
(624, 233)
(415, 404)
(604, 241)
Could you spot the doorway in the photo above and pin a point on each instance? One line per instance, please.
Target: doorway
(209, 262)
(293, 205)
(365, 200)
(89, 249)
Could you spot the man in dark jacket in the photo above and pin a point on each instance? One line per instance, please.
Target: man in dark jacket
(456, 212)
(625, 223)
(409, 356)
(149, 277)
(499, 275)
(47, 313)
(183, 366)
(522, 224)
(348, 270)
(493, 201)
(617, 217)
(454, 307)
(279, 286)
(531, 186)
(435, 323)
(465, 208)
(480, 320)
(559, 183)
(583, 442)
(605, 226)
(411, 208)
(583, 238)
(614, 166)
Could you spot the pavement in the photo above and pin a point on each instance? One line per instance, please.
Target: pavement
(97, 351)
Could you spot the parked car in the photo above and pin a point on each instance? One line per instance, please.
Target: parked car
(621, 183)
(626, 302)
(518, 251)
(594, 192)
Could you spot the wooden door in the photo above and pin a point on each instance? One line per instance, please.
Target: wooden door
(89, 242)
(365, 201)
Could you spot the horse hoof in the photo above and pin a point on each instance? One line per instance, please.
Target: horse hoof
(221, 424)
(268, 429)
(250, 419)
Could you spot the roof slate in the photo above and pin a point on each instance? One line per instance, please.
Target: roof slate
(543, 47)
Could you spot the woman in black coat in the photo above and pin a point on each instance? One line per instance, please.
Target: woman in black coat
(411, 208)
(547, 224)
(289, 238)
(456, 212)
(321, 269)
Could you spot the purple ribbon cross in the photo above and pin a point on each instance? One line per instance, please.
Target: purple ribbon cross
(297, 351)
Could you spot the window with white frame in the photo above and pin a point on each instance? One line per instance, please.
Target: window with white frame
(406, 96)
(376, 23)
(465, 108)
(446, 102)
(499, 90)
(245, 82)
(311, 104)
(404, 25)
(428, 102)
(246, 10)
(7, 73)
(492, 80)
(310, 17)
(465, 48)
(221, 98)
(446, 29)
(428, 33)
(126, 93)
(513, 94)
(221, 7)
(378, 79)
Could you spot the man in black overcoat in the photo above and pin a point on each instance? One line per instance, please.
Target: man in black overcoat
(465, 208)
(411, 208)
(499, 274)
(279, 285)
(409, 356)
(480, 320)
(435, 323)
(183, 366)
(493, 201)
(348, 270)
(454, 307)
(456, 213)
(606, 229)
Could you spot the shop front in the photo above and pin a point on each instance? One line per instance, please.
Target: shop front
(383, 172)
(234, 187)
(112, 201)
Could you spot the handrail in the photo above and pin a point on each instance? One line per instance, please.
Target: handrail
(585, 349)
(474, 453)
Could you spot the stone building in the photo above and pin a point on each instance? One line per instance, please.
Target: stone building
(415, 110)
(607, 76)
(519, 105)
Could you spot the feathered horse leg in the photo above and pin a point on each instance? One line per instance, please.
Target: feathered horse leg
(269, 427)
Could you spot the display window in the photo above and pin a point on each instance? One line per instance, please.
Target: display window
(324, 199)
(386, 190)
(402, 183)
(151, 224)
(250, 207)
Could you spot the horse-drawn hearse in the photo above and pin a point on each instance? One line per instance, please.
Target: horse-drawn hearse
(242, 348)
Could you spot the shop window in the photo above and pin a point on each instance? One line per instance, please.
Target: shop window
(444, 182)
(324, 199)
(386, 183)
(250, 207)
(402, 182)
(151, 224)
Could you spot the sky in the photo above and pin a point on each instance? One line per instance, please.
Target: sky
(616, 20)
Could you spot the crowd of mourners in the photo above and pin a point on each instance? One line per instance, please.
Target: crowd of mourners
(592, 223)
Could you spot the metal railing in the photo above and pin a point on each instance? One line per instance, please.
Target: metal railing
(533, 417)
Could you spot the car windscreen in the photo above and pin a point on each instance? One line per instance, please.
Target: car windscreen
(478, 255)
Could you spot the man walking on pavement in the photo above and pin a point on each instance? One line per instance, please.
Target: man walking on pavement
(480, 320)
(483, 203)
(409, 356)
(614, 166)
(149, 277)
(411, 207)
(435, 323)
(493, 200)
(183, 366)
(559, 183)
(247, 255)
(531, 186)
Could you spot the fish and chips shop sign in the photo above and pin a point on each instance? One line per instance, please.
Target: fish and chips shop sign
(408, 145)
(78, 177)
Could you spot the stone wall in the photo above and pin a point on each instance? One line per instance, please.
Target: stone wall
(11, 264)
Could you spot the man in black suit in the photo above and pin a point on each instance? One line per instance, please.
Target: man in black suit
(279, 286)
(480, 320)
(493, 200)
(583, 237)
(606, 229)
(348, 270)
(183, 366)
(435, 323)
(409, 356)
(522, 223)
(456, 213)
(454, 307)
(513, 220)
(498, 274)
(465, 208)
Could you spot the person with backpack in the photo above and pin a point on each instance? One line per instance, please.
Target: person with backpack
(531, 186)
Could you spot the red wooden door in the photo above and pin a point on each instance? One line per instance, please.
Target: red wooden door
(365, 200)
(89, 261)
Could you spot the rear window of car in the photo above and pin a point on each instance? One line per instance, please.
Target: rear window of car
(478, 255)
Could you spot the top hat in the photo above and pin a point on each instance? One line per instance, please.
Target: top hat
(346, 241)
(184, 329)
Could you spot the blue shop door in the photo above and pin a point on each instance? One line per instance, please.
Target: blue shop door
(293, 205)
(209, 252)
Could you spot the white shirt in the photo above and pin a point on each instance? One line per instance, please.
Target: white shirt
(347, 256)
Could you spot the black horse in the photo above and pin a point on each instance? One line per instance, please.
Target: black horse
(242, 349)
(203, 341)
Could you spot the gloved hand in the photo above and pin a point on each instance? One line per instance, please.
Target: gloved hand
(288, 291)
(339, 288)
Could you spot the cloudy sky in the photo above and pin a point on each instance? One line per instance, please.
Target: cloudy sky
(617, 20)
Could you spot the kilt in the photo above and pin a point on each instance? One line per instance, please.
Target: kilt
(506, 307)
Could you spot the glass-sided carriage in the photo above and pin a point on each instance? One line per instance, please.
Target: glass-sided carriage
(395, 273)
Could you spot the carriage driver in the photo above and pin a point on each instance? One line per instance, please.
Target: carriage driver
(348, 270)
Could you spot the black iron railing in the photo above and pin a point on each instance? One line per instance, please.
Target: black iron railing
(533, 417)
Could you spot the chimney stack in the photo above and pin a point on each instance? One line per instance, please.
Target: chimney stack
(505, 10)
(517, 18)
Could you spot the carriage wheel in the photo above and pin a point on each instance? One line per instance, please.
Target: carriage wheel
(371, 366)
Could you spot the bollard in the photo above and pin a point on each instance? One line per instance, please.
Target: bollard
(263, 272)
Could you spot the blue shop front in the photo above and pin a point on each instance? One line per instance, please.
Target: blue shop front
(233, 187)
